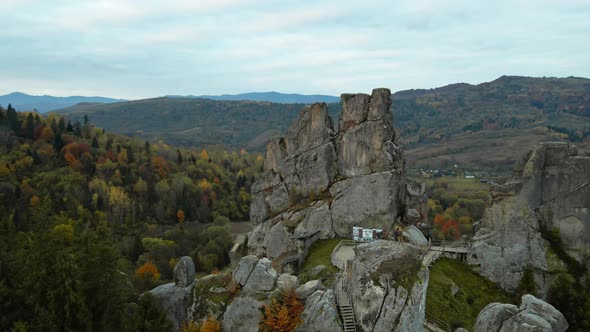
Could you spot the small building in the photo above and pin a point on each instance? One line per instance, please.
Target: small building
(361, 234)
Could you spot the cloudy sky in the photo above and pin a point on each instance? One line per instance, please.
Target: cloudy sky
(146, 48)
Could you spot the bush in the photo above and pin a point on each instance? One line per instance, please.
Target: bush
(283, 315)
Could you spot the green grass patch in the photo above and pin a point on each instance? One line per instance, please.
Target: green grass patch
(475, 292)
(320, 253)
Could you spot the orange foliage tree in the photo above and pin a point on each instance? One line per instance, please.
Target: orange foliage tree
(283, 315)
(148, 270)
(180, 216)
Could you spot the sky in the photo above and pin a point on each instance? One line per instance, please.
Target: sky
(137, 49)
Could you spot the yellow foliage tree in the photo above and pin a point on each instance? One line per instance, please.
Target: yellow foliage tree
(204, 154)
(211, 325)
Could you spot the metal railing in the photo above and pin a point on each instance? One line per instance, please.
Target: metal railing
(438, 323)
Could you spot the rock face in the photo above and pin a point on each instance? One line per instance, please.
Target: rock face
(174, 297)
(325, 179)
(533, 315)
(320, 313)
(242, 315)
(255, 274)
(551, 189)
(388, 285)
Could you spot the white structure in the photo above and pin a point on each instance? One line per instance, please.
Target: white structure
(366, 234)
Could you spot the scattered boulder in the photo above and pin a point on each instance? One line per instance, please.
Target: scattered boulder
(532, 315)
(307, 289)
(262, 278)
(287, 281)
(320, 313)
(317, 271)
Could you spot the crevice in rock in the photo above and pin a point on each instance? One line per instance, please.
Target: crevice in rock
(387, 290)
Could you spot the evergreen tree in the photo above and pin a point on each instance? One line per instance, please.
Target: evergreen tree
(1, 114)
(58, 142)
(149, 316)
(94, 142)
(86, 121)
(178, 157)
(61, 125)
(12, 119)
(78, 129)
(28, 126)
(69, 127)
(147, 148)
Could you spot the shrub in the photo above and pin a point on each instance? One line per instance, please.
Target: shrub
(283, 315)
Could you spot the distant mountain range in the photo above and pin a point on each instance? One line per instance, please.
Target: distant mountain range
(486, 126)
(273, 97)
(24, 102)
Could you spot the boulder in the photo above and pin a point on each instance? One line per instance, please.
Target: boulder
(415, 236)
(492, 316)
(277, 241)
(308, 288)
(174, 300)
(320, 313)
(316, 271)
(262, 278)
(244, 269)
(532, 315)
(174, 297)
(184, 272)
(545, 310)
(287, 281)
(242, 315)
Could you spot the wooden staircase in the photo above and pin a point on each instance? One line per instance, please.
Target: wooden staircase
(344, 302)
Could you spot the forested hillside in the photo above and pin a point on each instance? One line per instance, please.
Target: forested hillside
(89, 219)
(486, 126)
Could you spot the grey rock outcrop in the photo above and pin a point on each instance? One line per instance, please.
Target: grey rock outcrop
(174, 297)
(320, 313)
(262, 278)
(551, 189)
(184, 272)
(242, 315)
(319, 178)
(388, 285)
(287, 282)
(532, 315)
(308, 288)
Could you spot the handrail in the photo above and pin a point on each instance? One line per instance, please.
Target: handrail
(437, 322)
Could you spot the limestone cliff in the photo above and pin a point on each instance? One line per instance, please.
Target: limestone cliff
(326, 178)
(551, 189)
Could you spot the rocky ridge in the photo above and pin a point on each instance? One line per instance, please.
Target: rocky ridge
(550, 189)
(326, 177)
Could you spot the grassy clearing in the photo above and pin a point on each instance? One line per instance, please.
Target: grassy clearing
(319, 254)
(457, 184)
(475, 292)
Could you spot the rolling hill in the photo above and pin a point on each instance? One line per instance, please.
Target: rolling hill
(485, 126)
(273, 97)
(43, 104)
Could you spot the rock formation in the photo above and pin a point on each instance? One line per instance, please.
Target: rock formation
(551, 189)
(532, 315)
(388, 284)
(174, 297)
(325, 178)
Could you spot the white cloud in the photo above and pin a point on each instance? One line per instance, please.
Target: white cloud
(128, 48)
